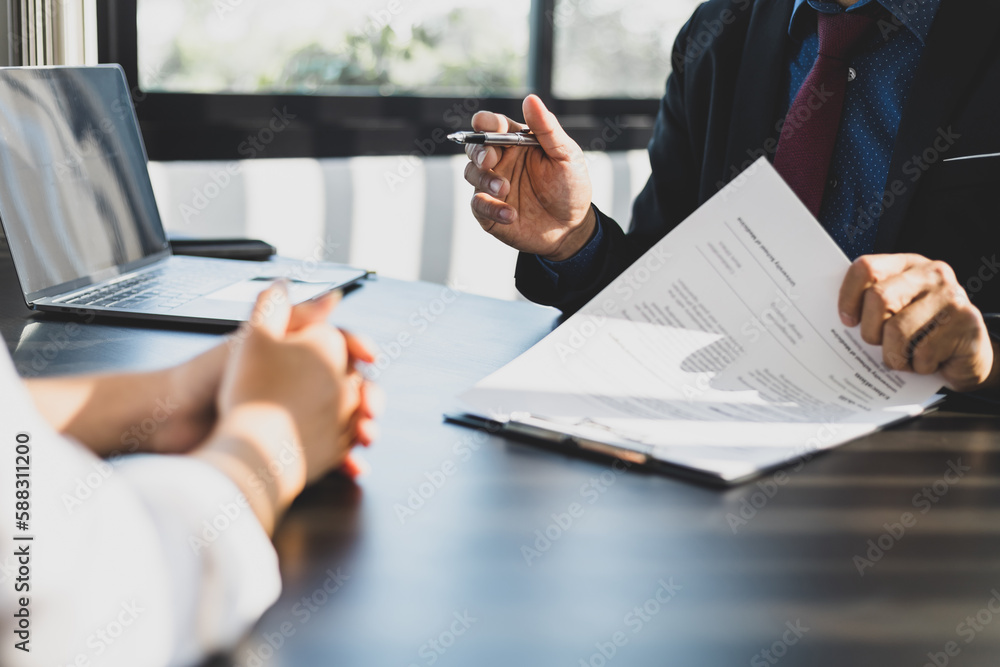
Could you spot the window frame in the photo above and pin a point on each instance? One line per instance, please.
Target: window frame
(224, 126)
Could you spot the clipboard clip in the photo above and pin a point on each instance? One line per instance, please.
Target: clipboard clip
(533, 426)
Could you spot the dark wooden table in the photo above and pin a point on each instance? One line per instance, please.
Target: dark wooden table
(650, 571)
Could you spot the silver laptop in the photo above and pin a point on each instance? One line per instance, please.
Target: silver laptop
(77, 207)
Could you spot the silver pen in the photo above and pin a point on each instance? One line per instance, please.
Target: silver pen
(495, 138)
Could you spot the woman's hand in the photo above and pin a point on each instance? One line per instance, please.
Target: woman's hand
(291, 404)
(170, 411)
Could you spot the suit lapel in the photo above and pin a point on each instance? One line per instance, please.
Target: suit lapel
(757, 104)
(964, 32)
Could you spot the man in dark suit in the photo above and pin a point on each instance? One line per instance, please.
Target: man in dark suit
(881, 115)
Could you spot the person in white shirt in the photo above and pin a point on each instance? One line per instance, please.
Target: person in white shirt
(151, 497)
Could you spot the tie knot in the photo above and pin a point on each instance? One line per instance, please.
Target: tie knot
(841, 34)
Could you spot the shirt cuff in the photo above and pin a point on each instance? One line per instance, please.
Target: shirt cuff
(579, 267)
(225, 567)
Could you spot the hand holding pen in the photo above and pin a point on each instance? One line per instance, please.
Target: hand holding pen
(523, 138)
(537, 201)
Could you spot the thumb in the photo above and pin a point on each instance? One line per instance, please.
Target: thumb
(546, 128)
(314, 311)
(273, 310)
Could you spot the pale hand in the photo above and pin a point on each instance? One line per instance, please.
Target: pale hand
(193, 386)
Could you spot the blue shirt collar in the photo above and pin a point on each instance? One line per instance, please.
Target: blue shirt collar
(917, 19)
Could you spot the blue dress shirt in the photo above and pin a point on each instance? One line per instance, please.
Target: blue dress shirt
(872, 111)
(883, 75)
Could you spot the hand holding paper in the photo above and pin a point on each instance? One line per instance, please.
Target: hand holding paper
(921, 316)
(720, 350)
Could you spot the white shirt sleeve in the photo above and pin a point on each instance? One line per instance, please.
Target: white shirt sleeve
(155, 560)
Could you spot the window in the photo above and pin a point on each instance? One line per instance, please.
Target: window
(615, 48)
(409, 47)
(356, 77)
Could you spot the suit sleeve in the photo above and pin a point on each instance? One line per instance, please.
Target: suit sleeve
(669, 196)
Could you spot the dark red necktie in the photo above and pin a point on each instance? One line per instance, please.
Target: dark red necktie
(805, 147)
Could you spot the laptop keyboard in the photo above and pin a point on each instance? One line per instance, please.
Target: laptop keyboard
(160, 288)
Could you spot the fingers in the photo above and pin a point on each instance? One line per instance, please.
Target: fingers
(890, 293)
(306, 325)
(487, 204)
(489, 211)
(918, 312)
(488, 157)
(352, 467)
(273, 310)
(360, 428)
(487, 121)
(366, 432)
(368, 402)
(911, 329)
(357, 349)
(863, 274)
(486, 181)
(544, 125)
(883, 300)
(941, 341)
(317, 311)
(335, 346)
(957, 345)
(372, 400)
(343, 352)
(314, 311)
(484, 157)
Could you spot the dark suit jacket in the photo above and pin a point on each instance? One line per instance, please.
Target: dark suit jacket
(722, 109)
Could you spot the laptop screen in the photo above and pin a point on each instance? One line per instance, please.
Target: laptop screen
(75, 197)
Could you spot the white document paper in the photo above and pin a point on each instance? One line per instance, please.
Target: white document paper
(720, 349)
